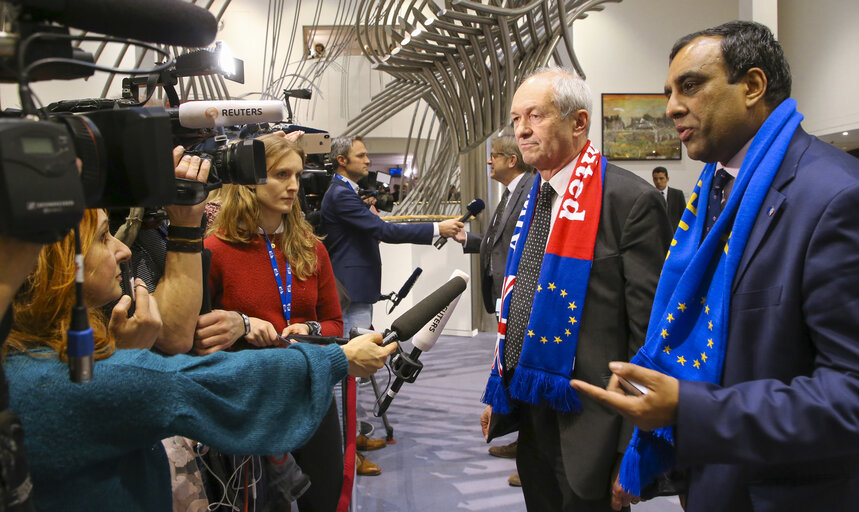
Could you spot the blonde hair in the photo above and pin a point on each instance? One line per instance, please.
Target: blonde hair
(238, 219)
(42, 308)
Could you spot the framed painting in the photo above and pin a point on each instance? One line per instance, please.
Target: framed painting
(635, 127)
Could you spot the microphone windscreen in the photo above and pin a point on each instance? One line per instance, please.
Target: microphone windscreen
(428, 334)
(475, 206)
(173, 22)
(407, 286)
(210, 114)
(412, 320)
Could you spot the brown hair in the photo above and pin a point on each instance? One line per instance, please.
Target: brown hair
(238, 219)
(509, 147)
(42, 308)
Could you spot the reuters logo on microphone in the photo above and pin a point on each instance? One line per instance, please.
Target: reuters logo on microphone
(211, 113)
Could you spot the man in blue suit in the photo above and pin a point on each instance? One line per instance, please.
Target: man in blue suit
(354, 232)
(778, 429)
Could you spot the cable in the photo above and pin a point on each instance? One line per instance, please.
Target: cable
(27, 95)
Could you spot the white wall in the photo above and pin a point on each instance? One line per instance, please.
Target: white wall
(821, 42)
(622, 49)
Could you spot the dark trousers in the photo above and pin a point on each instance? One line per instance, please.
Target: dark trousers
(321, 459)
(541, 467)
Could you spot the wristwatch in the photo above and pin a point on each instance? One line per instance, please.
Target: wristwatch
(315, 328)
(247, 322)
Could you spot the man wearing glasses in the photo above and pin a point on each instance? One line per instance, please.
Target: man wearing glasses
(506, 167)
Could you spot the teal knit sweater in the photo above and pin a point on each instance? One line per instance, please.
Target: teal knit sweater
(97, 446)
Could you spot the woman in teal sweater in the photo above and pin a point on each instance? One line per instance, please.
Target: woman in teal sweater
(96, 446)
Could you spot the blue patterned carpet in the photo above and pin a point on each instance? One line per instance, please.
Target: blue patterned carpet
(440, 460)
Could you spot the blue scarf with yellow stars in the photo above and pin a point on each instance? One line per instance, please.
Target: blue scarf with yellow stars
(549, 348)
(688, 328)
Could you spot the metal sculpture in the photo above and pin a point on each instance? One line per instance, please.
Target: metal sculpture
(464, 61)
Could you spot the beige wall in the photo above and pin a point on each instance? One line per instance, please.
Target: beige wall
(821, 41)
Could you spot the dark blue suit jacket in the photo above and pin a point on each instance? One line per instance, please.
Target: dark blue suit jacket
(782, 431)
(353, 236)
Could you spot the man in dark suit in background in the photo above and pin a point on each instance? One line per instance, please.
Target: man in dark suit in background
(777, 429)
(506, 167)
(674, 199)
(353, 232)
(567, 460)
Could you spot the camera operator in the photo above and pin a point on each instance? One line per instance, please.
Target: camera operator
(167, 258)
(97, 447)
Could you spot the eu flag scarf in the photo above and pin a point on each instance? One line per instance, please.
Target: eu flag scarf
(549, 348)
(688, 328)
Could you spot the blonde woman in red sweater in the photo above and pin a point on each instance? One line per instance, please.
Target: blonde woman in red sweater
(271, 275)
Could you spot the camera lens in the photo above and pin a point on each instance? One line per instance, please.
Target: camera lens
(242, 163)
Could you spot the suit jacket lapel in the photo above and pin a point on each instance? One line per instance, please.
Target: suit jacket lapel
(521, 188)
(774, 201)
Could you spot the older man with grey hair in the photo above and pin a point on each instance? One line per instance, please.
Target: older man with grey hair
(579, 285)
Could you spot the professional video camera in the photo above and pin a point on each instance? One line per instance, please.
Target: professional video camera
(125, 152)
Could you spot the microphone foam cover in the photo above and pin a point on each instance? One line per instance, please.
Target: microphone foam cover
(412, 320)
(173, 22)
(209, 114)
(475, 206)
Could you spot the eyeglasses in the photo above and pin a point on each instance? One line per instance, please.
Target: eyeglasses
(495, 155)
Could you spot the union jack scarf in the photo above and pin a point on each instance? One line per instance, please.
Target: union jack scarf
(549, 348)
(688, 328)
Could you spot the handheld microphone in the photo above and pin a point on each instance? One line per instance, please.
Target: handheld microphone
(211, 114)
(406, 288)
(424, 337)
(473, 209)
(172, 22)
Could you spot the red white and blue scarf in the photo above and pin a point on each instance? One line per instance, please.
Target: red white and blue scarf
(549, 348)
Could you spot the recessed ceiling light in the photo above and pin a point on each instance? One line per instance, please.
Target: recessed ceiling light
(844, 133)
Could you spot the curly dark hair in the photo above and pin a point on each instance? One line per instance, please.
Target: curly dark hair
(746, 45)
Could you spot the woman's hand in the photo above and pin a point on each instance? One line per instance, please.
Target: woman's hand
(217, 330)
(300, 329)
(365, 355)
(141, 330)
(262, 334)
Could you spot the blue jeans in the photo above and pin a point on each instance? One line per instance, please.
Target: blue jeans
(358, 314)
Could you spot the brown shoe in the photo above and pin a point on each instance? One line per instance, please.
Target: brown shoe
(508, 451)
(514, 480)
(366, 468)
(364, 443)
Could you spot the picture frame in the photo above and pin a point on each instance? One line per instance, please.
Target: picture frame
(635, 127)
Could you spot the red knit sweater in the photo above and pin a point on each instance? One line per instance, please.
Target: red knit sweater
(241, 279)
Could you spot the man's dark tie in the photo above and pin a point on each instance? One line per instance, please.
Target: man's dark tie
(527, 276)
(493, 227)
(714, 204)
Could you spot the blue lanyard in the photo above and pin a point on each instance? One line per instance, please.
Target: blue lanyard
(285, 294)
(344, 180)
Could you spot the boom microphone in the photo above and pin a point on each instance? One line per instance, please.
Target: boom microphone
(472, 209)
(172, 22)
(209, 114)
(443, 302)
